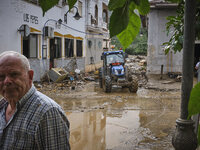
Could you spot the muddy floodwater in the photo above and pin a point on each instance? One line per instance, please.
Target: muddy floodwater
(121, 120)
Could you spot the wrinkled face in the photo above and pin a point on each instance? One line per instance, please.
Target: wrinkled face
(15, 81)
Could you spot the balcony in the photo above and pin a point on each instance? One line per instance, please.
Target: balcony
(105, 26)
(93, 28)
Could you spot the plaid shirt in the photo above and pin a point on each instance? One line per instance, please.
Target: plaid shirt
(38, 123)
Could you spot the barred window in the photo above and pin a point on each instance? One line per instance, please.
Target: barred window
(30, 46)
(58, 47)
(79, 48)
(105, 16)
(69, 47)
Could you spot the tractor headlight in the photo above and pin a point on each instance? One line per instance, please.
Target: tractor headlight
(116, 72)
(122, 71)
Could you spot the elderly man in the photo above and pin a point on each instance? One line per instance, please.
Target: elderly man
(28, 118)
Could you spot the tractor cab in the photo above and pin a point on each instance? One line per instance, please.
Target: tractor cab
(113, 62)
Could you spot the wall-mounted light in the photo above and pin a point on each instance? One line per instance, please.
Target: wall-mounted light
(58, 23)
(76, 16)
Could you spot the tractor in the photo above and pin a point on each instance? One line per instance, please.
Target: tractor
(114, 72)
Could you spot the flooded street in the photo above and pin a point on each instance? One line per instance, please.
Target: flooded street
(122, 120)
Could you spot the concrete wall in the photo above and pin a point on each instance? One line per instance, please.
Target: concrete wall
(156, 37)
(94, 51)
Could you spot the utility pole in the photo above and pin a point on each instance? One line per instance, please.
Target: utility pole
(184, 137)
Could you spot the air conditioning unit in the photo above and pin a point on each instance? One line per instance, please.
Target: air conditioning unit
(49, 32)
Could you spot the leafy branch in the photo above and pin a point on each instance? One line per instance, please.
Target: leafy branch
(125, 23)
(174, 27)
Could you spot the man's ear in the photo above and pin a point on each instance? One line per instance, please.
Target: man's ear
(30, 74)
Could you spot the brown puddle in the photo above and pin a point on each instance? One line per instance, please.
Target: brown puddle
(121, 120)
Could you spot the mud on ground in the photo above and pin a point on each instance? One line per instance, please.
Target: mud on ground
(61, 89)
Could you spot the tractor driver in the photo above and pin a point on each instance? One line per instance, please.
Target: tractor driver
(115, 59)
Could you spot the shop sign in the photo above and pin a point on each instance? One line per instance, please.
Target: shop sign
(30, 18)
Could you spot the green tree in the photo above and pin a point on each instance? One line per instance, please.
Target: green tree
(116, 43)
(139, 45)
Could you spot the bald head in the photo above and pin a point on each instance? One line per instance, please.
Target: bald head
(15, 76)
(24, 61)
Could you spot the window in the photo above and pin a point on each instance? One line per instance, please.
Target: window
(96, 14)
(79, 48)
(105, 16)
(69, 47)
(80, 5)
(58, 47)
(30, 46)
(89, 43)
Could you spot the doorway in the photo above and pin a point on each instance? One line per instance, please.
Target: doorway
(52, 56)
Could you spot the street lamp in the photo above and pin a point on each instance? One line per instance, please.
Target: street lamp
(76, 16)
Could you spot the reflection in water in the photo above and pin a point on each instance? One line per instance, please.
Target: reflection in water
(87, 130)
(122, 122)
(117, 128)
(95, 131)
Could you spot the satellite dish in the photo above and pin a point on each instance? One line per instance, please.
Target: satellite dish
(24, 30)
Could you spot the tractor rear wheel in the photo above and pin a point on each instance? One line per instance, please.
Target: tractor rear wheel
(107, 84)
(134, 84)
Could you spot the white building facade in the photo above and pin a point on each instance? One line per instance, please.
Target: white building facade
(97, 19)
(157, 35)
(55, 40)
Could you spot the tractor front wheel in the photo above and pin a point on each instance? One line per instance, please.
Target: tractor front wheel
(134, 84)
(107, 84)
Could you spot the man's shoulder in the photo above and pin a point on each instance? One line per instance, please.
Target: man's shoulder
(44, 102)
(38, 106)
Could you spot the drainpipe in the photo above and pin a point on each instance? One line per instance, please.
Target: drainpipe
(184, 137)
(171, 61)
(161, 72)
(167, 62)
